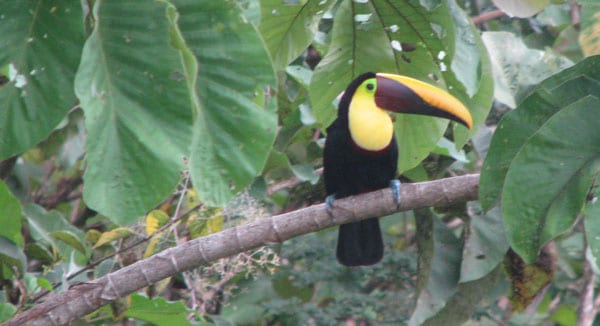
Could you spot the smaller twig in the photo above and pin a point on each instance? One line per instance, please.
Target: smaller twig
(289, 183)
(586, 311)
(133, 245)
(575, 14)
(487, 16)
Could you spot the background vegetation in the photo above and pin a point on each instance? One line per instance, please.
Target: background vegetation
(147, 123)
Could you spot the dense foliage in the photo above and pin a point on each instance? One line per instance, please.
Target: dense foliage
(130, 126)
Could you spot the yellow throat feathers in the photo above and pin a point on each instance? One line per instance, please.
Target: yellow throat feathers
(371, 128)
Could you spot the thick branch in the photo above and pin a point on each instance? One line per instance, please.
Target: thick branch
(86, 297)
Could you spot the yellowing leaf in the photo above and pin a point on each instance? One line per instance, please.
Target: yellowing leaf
(150, 249)
(92, 235)
(208, 220)
(589, 38)
(528, 280)
(112, 235)
(191, 198)
(154, 220)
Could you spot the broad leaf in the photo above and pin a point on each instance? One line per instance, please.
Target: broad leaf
(470, 77)
(517, 126)
(137, 109)
(517, 69)
(7, 311)
(426, 41)
(548, 180)
(288, 28)
(439, 266)
(236, 122)
(11, 216)
(41, 45)
(484, 247)
(528, 280)
(466, 300)
(47, 227)
(12, 257)
(70, 239)
(157, 311)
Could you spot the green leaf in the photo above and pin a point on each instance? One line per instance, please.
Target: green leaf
(11, 216)
(236, 123)
(427, 43)
(517, 69)
(463, 303)
(157, 311)
(70, 239)
(470, 78)
(44, 283)
(548, 180)
(12, 257)
(7, 311)
(517, 126)
(589, 38)
(133, 91)
(439, 261)
(41, 46)
(484, 247)
(592, 225)
(43, 225)
(288, 28)
(447, 148)
(39, 252)
(521, 8)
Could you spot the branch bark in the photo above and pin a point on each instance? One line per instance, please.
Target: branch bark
(86, 297)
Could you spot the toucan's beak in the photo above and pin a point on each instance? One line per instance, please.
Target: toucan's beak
(407, 95)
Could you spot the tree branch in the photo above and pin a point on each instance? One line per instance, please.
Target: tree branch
(86, 297)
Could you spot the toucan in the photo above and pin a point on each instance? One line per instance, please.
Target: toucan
(361, 154)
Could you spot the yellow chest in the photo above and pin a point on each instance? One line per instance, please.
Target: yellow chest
(370, 127)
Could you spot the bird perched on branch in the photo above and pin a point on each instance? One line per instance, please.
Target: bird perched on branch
(361, 153)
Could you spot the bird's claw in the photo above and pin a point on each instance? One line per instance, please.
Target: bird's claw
(396, 185)
(329, 203)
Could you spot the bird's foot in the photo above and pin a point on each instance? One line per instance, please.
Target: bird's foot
(329, 204)
(396, 185)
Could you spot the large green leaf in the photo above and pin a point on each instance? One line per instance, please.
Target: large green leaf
(548, 180)
(517, 68)
(236, 122)
(41, 44)
(439, 266)
(12, 258)
(50, 228)
(517, 126)
(132, 87)
(466, 300)
(288, 28)
(470, 78)
(11, 216)
(158, 311)
(484, 247)
(426, 41)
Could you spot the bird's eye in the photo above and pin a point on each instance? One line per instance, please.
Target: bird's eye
(370, 86)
